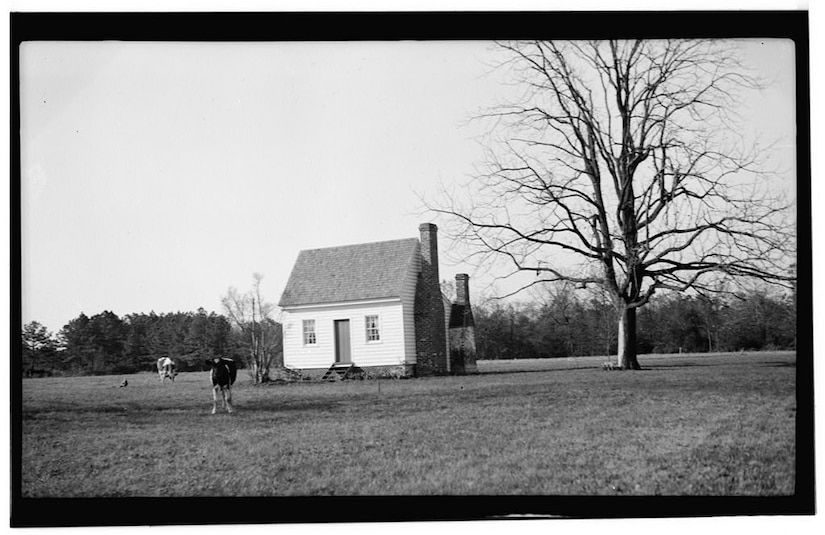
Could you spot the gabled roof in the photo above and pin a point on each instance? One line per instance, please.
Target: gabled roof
(349, 273)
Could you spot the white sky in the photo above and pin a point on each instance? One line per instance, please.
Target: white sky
(156, 175)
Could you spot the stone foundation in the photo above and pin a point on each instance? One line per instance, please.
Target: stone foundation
(400, 371)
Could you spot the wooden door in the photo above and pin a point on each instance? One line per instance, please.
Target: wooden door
(342, 339)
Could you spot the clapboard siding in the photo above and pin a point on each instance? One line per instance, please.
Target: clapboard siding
(390, 350)
(408, 304)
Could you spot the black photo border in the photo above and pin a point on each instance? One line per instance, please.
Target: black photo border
(394, 26)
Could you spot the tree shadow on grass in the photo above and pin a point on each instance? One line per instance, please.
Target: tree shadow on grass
(777, 364)
(744, 363)
(538, 370)
(687, 365)
(649, 366)
(296, 406)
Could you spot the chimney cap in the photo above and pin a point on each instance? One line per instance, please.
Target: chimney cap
(462, 276)
(427, 227)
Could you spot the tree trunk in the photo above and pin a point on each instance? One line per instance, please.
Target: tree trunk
(626, 358)
(710, 339)
(263, 373)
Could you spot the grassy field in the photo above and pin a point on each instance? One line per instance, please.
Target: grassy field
(686, 425)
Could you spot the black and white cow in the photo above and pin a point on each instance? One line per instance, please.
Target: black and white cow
(224, 372)
(166, 368)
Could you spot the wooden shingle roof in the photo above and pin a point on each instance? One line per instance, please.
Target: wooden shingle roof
(349, 273)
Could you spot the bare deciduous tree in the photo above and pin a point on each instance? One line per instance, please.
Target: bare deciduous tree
(621, 165)
(251, 315)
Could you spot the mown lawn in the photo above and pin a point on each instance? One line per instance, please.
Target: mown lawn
(686, 425)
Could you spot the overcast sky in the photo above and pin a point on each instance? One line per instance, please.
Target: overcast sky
(155, 176)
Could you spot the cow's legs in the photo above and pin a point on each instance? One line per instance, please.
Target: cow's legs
(227, 398)
(215, 399)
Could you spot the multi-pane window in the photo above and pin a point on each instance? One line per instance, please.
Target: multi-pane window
(373, 333)
(309, 332)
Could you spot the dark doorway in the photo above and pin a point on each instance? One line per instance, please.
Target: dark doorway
(342, 345)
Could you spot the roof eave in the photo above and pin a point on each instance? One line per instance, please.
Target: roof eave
(377, 300)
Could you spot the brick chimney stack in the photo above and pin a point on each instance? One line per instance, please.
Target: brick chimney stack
(462, 329)
(462, 289)
(430, 317)
(429, 249)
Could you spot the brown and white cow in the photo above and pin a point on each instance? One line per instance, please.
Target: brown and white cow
(224, 372)
(166, 368)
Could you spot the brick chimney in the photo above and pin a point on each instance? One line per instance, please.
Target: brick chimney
(462, 289)
(429, 247)
(462, 329)
(430, 320)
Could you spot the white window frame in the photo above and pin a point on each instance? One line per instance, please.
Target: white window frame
(376, 328)
(308, 333)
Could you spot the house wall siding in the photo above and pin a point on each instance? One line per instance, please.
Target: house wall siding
(389, 350)
(408, 304)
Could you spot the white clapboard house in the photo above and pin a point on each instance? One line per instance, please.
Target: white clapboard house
(373, 307)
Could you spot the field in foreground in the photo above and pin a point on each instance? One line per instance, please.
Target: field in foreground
(686, 425)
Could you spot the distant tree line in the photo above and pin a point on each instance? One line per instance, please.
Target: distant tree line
(560, 323)
(107, 344)
(563, 324)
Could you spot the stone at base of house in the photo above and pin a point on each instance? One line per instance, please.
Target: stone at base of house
(284, 374)
(400, 371)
